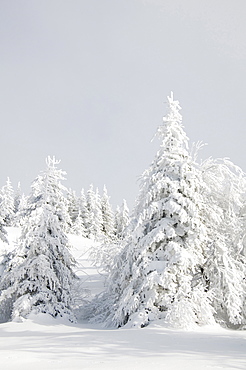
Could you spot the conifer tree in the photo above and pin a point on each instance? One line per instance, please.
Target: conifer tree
(98, 216)
(73, 205)
(154, 276)
(94, 225)
(7, 203)
(107, 215)
(122, 220)
(84, 212)
(17, 198)
(90, 204)
(40, 276)
(103, 252)
(3, 232)
(5, 306)
(225, 264)
(22, 212)
(50, 180)
(78, 227)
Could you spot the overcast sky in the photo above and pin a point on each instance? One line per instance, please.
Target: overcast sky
(86, 81)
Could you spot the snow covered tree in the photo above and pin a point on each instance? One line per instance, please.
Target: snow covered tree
(40, 276)
(106, 246)
(122, 220)
(155, 276)
(17, 198)
(20, 207)
(78, 227)
(94, 220)
(90, 203)
(3, 232)
(5, 306)
(84, 212)
(7, 203)
(22, 213)
(73, 205)
(107, 215)
(51, 179)
(225, 265)
(98, 217)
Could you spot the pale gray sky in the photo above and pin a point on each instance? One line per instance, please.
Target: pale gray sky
(86, 81)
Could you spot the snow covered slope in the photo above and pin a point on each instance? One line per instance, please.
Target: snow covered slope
(42, 342)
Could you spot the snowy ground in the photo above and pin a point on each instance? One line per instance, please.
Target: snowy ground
(46, 343)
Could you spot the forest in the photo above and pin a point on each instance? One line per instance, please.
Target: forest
(178, 256)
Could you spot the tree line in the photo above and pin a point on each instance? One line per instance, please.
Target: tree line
(179, 257)
(38, 275)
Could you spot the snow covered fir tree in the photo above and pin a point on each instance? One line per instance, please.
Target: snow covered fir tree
(7, 203)
(39, 277)
(225, 266)
(165, 270)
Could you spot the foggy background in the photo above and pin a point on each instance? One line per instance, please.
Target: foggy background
(87, 80)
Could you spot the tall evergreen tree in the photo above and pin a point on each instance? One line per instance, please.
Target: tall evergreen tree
(103, 252)
(47, 188)
(98, 216)
(40, 276)
(3, 232)
(122, 220)
(90, 204)
(225, 265)
(154, 276)
(7, 203)
(84, 212)
(73, 205)
(17, 198)
(107, 215)
(22, 213)
(95, 221)
(78, 227)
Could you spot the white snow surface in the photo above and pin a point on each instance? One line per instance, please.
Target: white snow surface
(42, 342)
